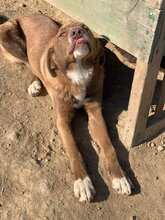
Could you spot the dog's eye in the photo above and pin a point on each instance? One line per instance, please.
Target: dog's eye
(85, 27)
(62, 34)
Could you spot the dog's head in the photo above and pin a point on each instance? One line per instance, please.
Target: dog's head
(74, 42)
(75, 39)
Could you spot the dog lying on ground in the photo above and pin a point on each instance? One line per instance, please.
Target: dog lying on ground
(68, 61)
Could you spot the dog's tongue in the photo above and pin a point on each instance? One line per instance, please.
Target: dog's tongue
(80, 41)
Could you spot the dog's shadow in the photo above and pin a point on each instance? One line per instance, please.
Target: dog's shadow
(117, 87)
(3, 19)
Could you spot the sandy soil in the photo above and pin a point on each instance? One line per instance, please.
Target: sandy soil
(35, 177)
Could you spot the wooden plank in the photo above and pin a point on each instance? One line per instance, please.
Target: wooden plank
(154, 127)
(130, 24)
(143, 86)
(140, 100)
(139, 104)
(159, 4)
(161, 99)
(126, 58)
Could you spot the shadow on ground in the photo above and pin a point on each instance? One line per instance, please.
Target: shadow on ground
(117, 86)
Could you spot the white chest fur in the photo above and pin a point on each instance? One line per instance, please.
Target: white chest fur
(80, 76)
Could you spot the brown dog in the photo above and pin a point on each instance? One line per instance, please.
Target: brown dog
(68, 60)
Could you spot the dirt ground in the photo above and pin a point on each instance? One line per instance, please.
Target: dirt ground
(35, 178)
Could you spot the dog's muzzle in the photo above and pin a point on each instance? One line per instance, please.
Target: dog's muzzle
(78, 36)
(79, 41)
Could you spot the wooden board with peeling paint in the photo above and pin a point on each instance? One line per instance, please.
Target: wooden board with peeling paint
(132, 25)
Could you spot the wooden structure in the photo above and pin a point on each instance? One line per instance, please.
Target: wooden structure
(138, 27)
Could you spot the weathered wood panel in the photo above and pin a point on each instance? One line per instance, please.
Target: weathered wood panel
(159, 4)
(154, 126)
(141, 96)
(130, 24)
(140, 100)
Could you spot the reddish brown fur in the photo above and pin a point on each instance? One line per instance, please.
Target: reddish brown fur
(42, 48)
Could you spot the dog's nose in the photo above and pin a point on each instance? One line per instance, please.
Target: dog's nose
(76, 32)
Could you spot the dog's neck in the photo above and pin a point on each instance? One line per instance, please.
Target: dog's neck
(80, 74)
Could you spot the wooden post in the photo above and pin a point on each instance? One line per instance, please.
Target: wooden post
(161, 99)
(143, 87)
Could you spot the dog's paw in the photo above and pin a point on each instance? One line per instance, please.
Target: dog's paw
(84, 189)
(122, 185)
(35, 88)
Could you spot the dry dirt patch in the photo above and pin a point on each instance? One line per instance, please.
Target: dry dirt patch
(35, 177)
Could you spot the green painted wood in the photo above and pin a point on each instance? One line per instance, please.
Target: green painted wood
(132, 25)
(159, 4)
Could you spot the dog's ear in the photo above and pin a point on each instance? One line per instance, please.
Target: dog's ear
(12, 39)
(101, 56)
(61, 57)
(48, 64)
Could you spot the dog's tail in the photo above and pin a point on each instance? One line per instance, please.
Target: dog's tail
(3, 19)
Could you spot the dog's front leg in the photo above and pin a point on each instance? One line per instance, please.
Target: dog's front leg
(99, 133)
(83, 187)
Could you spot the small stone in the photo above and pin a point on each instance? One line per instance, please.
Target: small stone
(14, 136)
(133, 217)
(137, 165)
(156, 178)
(99, 208)
(52, 140)
(163, 142)
(152, 144)
(23, 5)
(44, 187)
(160, 148)
(153, 108)
(50, 108)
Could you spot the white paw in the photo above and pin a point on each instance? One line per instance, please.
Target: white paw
(122, 185)
(84, 190)
(35, 88)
